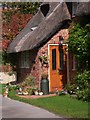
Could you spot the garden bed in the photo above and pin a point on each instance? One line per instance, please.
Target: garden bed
(35, 96)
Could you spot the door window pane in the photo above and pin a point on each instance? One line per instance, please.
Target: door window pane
(61, 59)
(54, 59)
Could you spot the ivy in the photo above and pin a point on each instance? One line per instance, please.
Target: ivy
(15, 17)
(22, 7)
(8, 15)
(79, 44)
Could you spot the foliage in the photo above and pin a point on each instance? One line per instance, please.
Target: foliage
(60, 105)
(44, 76)
(79, 44)
(10, 30)
(29, 82)
(71, 89)
(7, 15)
(81, 86)
(8, 59)
(5, 44)
(61, 93)
(0, 59)
(5, 58)
(15, 25)
(15, 18)
(30, 91)
(43, 59)
(83, 81)
(13, 87)
(2, 88)
(10, 73)
(22, 7)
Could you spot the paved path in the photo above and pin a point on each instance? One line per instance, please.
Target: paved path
(16, 109)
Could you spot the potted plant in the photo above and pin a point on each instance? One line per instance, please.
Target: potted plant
(25, 92)
(44, 60)
(44, 76)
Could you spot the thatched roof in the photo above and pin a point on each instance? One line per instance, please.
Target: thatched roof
(46, 26)
(83, 9)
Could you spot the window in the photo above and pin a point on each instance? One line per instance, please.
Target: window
(24, 62)
(54, 59)
(45, 9)
(61, 59)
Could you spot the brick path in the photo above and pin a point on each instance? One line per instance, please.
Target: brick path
(36, 96)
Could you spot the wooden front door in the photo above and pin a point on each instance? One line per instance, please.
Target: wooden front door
(58, 67)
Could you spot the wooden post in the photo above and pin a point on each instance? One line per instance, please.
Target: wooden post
(68, 77)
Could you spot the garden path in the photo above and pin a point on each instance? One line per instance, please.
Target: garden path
(15, 109)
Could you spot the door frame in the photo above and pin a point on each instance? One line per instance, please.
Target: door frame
(49, 62)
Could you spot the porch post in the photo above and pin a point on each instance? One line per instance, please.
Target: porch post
(68, 77)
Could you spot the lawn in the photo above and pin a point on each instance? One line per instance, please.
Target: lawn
(60, 105)
(2, 87)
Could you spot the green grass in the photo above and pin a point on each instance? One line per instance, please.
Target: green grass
(2, 88)
(60, 105)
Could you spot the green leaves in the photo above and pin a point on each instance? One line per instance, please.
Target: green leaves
(82, 81)
(22, 7)
(79, 42)
(15, 17)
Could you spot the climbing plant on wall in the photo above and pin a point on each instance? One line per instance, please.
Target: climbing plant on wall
(15, 16)
(79, 44)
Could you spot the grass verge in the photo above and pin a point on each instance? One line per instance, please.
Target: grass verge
(2, 88)
(60, 105)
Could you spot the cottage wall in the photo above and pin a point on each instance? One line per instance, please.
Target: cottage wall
(36, 67)
(33, 69)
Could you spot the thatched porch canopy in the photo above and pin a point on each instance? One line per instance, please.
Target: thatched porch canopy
(41, 27)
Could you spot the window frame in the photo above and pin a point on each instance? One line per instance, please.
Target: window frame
(24, 59)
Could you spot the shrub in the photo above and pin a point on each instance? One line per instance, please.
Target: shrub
(78, 44)
(29, 81)
(29, 84)
(30, 91)
(61, 93)
(82, 81)
(14, 87)
(44, 76)
(71, 89)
